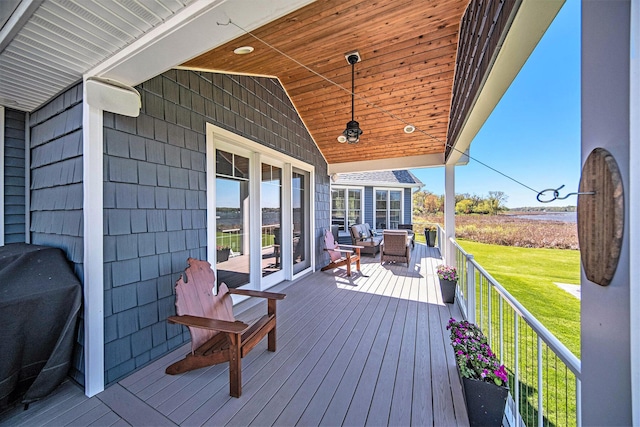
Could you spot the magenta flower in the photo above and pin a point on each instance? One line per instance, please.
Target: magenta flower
(473, 354)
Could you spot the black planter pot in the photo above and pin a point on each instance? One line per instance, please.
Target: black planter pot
(485, 402)
(448, 289)
(222, 255)
(430, 237)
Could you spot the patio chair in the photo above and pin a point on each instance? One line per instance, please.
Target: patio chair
(395, 246)
(216, 337)
(340, 254)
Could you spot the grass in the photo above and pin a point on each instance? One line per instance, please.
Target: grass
(529, 275)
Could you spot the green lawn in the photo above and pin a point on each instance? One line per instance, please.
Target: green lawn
(529, 275)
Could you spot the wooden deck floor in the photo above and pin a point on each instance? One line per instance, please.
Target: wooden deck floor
(367, 350)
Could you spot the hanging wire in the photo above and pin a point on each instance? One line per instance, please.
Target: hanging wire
(556, 195)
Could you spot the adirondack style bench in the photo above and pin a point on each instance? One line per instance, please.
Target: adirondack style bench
(216, 337)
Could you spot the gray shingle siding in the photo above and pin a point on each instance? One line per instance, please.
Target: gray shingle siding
(408, 203)
(369, 206)
(155, 196)
(56, 186)
(14, 176)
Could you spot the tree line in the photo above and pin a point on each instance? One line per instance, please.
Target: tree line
(426, 202)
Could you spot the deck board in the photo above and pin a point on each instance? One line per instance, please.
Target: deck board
(367, 349)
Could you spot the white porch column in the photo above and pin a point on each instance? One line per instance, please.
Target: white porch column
(609, 342)
(98, 96)
(92, 188)
(449, 213)
(634, 210)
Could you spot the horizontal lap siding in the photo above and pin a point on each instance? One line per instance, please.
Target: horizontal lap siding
(155, 196)
(14, 177)
(369, 206)
(408, 206)
(56, 186)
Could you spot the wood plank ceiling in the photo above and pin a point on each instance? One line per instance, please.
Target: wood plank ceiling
(408, 51)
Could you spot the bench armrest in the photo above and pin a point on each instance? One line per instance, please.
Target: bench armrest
(259, 294)
(351, 246)
(342, 251)
(236, 327)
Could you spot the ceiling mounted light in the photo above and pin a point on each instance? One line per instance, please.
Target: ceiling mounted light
(409, 128)
(244, 50)
(352, 133)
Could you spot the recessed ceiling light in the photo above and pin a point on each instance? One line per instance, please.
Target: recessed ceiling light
(409, 128)
(243, 50)
(342, 138)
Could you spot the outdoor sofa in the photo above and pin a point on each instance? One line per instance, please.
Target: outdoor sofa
(362, 235)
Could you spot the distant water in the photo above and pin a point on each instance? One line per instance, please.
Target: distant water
(571, 217)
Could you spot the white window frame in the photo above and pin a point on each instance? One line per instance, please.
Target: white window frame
(219, 138)
(388, 189)
(346, 188)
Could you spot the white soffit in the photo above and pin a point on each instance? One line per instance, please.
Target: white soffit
(49, 49)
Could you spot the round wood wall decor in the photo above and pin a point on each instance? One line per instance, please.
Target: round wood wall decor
(600, 216)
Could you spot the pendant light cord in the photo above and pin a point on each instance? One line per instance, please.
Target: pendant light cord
(353, 91)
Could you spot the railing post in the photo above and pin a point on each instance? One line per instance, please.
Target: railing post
(516, 363)
(471, 290)
(540, 386)
(578, 403)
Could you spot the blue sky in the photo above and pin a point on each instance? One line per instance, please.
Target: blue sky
(533, 134)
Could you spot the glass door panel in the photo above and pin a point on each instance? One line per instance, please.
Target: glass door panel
(232, 232)
(301, 214)
(271, 201)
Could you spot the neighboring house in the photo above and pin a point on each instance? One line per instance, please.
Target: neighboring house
(383, 199)
(129, 134)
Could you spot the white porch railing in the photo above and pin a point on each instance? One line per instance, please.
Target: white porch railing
(544, 376)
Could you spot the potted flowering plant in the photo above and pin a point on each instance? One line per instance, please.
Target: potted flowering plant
(448, 277)
(484, 378)
(222, 253)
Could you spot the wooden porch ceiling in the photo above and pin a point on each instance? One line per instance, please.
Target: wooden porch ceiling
(408, 52)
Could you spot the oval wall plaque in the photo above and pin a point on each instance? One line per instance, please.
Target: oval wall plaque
(600, 216)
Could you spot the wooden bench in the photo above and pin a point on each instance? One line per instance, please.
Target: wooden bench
(216, 337)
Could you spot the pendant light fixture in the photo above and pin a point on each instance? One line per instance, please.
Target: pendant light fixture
(352, 133)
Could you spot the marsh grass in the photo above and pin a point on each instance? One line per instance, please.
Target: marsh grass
(509, 230)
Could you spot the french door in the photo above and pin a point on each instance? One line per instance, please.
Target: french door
(261, 212)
